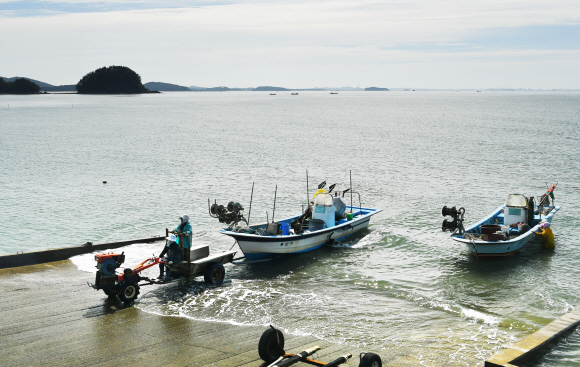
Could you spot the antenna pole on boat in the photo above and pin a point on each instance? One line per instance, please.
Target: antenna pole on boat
(307, 192)
(274, 210)
(350, 172)
(250, 210)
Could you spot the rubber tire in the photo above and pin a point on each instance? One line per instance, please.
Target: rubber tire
(268, 348)
(110, 293)
(128, 292)
(214, 273)
(370, 360)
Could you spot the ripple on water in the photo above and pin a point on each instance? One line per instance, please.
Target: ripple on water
(401, 286)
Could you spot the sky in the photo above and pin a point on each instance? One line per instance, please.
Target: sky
(434, 44)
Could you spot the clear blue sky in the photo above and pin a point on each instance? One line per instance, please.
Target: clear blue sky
(298, 44)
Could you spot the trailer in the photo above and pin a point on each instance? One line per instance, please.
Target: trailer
(125, 285)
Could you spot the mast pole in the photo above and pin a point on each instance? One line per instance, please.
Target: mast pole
(307, 192)
(274, 210)
(250, 210)
(350, 172)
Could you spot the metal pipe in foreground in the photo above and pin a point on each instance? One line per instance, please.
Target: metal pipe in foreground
(339, 361)
(298, 357)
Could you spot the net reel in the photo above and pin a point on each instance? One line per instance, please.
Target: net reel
(456, 224)
(230, 214)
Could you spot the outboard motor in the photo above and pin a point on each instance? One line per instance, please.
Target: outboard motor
(457, 223)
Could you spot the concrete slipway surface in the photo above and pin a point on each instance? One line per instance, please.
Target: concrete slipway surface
(50, 317)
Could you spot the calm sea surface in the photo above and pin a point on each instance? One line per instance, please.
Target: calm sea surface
(400, 287)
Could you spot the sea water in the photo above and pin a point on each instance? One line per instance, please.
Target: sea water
(402, 287)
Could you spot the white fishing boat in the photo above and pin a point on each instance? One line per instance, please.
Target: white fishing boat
(507, 229)
(325, 220)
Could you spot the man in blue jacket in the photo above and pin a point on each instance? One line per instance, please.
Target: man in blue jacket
(173, 246)
(185, 228)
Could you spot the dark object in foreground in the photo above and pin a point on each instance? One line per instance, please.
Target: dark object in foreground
(271, 350)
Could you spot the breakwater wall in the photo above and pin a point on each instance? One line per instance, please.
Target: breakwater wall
(58, 254)
(530, 347)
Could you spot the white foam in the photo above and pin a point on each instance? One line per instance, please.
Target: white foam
(479, 316)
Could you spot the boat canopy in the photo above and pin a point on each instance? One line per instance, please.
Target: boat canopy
(517, 201)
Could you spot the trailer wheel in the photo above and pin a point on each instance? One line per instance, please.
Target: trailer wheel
(214, 273)
(128, 292)
(271, 345)
(370, 360)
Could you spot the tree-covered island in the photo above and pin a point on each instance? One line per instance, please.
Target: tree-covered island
(112, 80)
(18, 86)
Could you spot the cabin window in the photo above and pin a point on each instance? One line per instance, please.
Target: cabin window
(515, 211)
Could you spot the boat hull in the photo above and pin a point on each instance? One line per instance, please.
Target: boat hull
(501, 248)
(256, 247)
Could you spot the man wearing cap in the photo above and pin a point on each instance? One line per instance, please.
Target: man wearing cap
(185, 228)
(172, 247)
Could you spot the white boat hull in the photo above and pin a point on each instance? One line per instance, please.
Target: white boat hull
(256, 247)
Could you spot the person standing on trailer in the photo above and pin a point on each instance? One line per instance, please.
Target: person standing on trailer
(185, 228)
(173, 247)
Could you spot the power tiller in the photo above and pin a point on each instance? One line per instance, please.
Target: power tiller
(126, 284)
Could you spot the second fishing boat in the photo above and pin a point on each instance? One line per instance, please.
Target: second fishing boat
(326, 219)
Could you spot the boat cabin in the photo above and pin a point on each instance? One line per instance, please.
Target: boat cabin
(516, 210)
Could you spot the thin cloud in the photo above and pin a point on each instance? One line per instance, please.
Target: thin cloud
(274, 39)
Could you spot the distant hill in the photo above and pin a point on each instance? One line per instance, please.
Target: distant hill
(166, 87)
(45, 87)
(222, 89)
(40, 84)
(269, 89)
(18, 86)
(374, 89)
(216, 89)
(60, 88)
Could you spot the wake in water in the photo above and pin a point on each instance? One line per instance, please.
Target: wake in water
(340, 293)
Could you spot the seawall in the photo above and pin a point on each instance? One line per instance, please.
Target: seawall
(64, 253)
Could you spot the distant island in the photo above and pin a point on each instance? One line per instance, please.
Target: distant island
(18, 86)
(112, 80)
(157, 87)
(270, 89)
(165, 87)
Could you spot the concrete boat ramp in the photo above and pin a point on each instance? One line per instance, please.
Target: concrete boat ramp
(49, 316)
